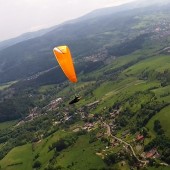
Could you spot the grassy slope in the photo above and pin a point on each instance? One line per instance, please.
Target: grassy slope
(162, 91)
(82, 155)
(21, 154)
(158, 63)
(7, 124)
(108, 93)
(26, 153)
(164, 117)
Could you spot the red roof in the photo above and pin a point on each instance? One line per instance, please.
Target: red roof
(139, 137)
(151, 153)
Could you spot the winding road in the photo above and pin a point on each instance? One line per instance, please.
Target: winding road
(127, 144)
(130, 146)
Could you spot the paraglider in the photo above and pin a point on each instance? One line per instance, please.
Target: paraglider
(64, 58)
(75, 100)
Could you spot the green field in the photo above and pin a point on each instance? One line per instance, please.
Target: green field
(164, 117)
(82, 155)
(128, 88)
(7, 124)
(26, 153)
(157, 63)
(163, 93)
(21, 155)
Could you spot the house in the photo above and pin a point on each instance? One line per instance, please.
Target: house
(113, 115)
(139, 137)
(88, 126)
(29, 117)
(92, 105)
(68, 118)
(151, 153)
(53, 104)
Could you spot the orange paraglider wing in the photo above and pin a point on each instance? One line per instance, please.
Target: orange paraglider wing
(63, 56)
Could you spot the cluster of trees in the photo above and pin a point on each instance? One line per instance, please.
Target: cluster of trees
(37, 164)
(148, 111)
(111, 159)
(14, 108)
(122, 121)
(28, 132)
(164, 78)
(155, 75)
(114, 158)
(17, 105)
(165, 94)
(112, 74)
(158, 128)
(93, 137)
(145, 74)
(16, 101)
(133, 105)
(53, 167)
(162, 143)
(144, 110)
(63, 143)
(128, 47)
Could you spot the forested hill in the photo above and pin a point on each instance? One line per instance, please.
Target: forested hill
(85, 36)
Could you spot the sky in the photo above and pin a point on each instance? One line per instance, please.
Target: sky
(21, 16)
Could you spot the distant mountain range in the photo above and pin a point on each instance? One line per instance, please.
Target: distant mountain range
(30, 35)
(106, 28)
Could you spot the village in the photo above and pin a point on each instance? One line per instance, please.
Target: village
(130, 144)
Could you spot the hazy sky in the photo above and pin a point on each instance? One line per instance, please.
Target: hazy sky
(20, 16)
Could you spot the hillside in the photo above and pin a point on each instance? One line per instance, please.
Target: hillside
(137, 84)
(122, 120)
(85, 37)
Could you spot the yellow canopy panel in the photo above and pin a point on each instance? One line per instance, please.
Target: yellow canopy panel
(64, 58)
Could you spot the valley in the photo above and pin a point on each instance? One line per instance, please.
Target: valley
(99, 100)
(122, 121)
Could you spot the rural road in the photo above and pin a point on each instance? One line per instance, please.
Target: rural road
(127, 144)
